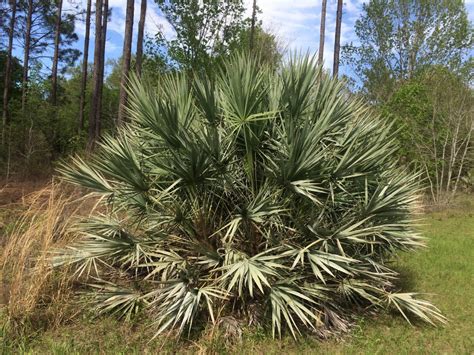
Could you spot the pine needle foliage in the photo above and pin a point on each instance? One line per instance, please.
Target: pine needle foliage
(258, 191)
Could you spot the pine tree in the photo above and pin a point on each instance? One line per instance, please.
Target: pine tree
(141, 30)
(96, 76)
(26, 54)
(84, 67)
(126, 57)
(8, 64)
(252, 27)
(322, 32)
(98, 118)
(57, 38)
(337, 39)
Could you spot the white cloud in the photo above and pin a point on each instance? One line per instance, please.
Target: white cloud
(112, 46)
(156, 21)
(297, 23)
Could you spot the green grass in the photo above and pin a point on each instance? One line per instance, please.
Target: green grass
(445, 269)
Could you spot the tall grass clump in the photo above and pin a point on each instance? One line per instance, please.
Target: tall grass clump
(33, 292)
(271, 197)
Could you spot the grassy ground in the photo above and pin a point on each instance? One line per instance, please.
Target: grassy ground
(445, 270)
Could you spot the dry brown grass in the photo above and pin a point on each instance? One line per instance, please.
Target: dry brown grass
(32, 290)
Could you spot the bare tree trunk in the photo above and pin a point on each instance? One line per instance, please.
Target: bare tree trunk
(453, 152)
(141, 30)
(443, 166)
(252, 28)
(8, 68)
(85, 59)
(127, 49)
(98, 118)
(463, 158)
(435, 153)
(26, 56)
(458, 154)
(57, 37)
(432, 188)
(96, 76)
(322, 32)
(337, 40)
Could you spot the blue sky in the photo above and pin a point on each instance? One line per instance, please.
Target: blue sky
(296, 23)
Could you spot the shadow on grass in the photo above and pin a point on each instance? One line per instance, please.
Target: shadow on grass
(406, 280)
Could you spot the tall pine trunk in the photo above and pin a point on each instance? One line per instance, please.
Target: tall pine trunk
(85, 60)
(26, 55)
(8, 67)
(57, 38)
(252, 27)
(127, 49)
(141, 30)
(98, 119)
(322, 32)
(96, 76)
(337, 40)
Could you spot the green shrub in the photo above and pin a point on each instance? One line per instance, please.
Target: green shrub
(269, 196)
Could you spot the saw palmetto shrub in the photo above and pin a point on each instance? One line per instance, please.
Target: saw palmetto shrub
(258, 195)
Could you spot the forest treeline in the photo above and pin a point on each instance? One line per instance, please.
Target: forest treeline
(412, 63)
(53, 105)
